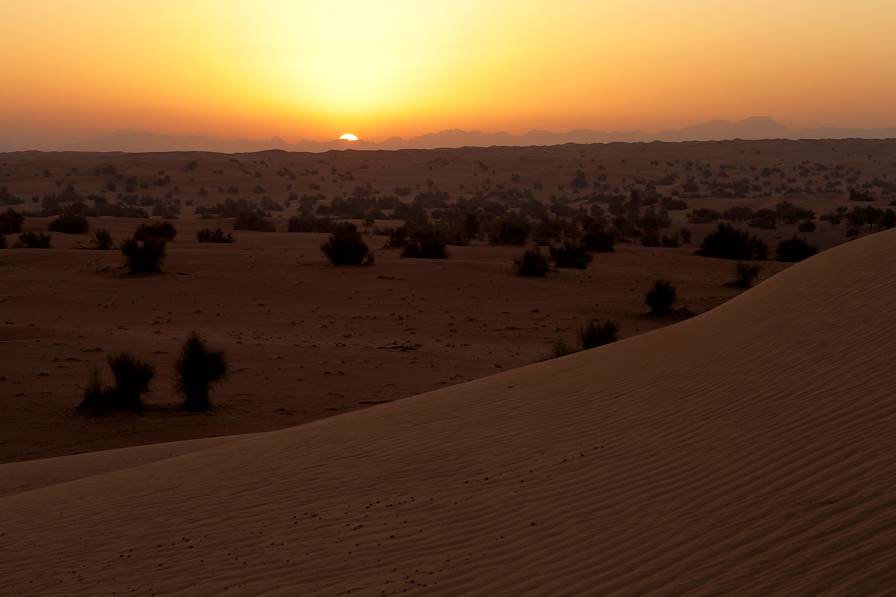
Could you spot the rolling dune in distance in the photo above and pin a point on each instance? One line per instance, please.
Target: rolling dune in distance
(749, 449)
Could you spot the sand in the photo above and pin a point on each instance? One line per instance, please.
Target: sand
(748, 450)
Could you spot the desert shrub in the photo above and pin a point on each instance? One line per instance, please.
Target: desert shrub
(11, 222)
(398, 237)
(794, 249)
(197, 369)
(597, 333)
(570, 255)
(511, 230)
(650, 240)
(207, 235)
(132, 378)
(745, 274)
(728, 242)
(562, 348)
(807, 226)
(346, 246)
(599, 241)
(426, 243)
(158, 229)
(102, 239)
(309, 223)
(661, 297)
(35, 240)
(532, 264)
(144, 256)
(670, 240)
(253, 219)
(2, 242)
(69, 223)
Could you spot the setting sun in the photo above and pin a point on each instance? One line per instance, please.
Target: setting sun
(348, 137)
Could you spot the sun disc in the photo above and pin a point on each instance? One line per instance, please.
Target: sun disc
(348, 137)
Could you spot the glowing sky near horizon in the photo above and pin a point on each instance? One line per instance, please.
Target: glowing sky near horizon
(305, 69)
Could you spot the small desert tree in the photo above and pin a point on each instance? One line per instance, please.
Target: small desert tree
(661, 297)
(197, 368)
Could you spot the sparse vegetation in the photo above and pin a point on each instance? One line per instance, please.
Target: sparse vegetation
(207, 235)
(144, 256)
(346, 246)
(661, 298)
(102, 239)
(794, 249)
(597, 333)
(35, 240)
(532, 264)
(198, 367)
(745, 274)
(132, 379)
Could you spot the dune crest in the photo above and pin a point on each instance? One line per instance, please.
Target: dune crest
(749, 450)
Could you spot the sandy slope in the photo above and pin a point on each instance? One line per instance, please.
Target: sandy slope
(750, 449)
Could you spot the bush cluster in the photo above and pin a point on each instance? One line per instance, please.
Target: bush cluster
(207, 235)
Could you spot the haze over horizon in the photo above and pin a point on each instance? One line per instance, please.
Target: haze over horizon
(309, 71)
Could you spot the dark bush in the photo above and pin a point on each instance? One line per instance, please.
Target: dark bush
(35, 240)
(794, 249)
(570, 255)
(670, 241)
(650, 240)
(197, 368)
(728, 242)
(511, 230)
(254, 220)
(746, 274)
(102, 239)
(661, 298)
(599, 241)
(144, 256)
(158, 229)
(807, 226)
(309, 223)
(69, 223)
(11, 222)
(398, 237)
(597, 333)
(532, 264)
(426, 243)
(132, 377)
(207, 235)
(346, 246)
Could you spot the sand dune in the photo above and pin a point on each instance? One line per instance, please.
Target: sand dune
(747, 450)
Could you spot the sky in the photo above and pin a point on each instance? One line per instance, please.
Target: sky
(309, 69)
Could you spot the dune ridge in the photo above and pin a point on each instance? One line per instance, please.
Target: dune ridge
(748, 450)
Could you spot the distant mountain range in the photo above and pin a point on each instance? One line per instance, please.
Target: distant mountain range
(759, 127)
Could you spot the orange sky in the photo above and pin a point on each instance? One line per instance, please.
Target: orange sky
(306, 69)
